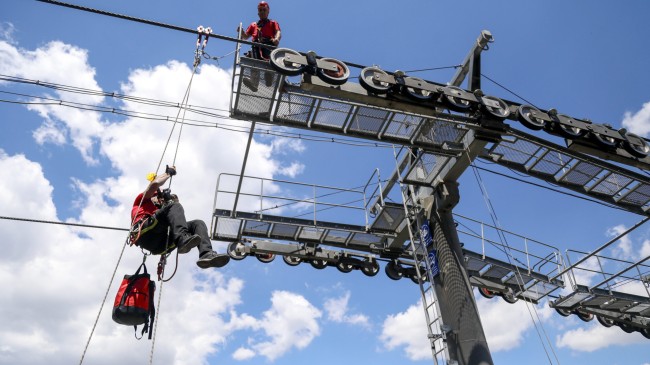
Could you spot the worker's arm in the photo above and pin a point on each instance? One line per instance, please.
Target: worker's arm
(159, 181)
(243, 33)
(276, 38)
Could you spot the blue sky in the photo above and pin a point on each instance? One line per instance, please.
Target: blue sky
(584, 58)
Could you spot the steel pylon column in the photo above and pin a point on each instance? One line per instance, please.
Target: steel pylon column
(465, 339)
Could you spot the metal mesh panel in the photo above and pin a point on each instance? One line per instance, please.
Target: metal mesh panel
(389, 219)
(519, 279)
(639, 196)
(227, 228)
(258, 102)
(438, 132)
(617, 305)
(402, 126)
(539, 290)
(426, 169)
(364, 239)
(368, 120)
(612, 184)
(294, 108)
(310, 233)
(597, 300)
(332, 114)
(256, 228)
(283, 230)
(551, 163)
(518, 151)
(638, 309)
(496, 272)
(572, 300)
(475, 264)
(336, 236)
(582, 173)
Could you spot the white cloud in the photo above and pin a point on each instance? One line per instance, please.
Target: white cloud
(293, 170)
(503, 335)
(243, 353)
(337, 311)
(408, 330)
(59, 63)
(623, 250)
(41, 263)
(645, 249)
(585, 273)
(639, 122)
(595, 337)
(291, 322)
(7, 30)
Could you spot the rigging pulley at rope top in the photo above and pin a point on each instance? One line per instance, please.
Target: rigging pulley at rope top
(201, 43)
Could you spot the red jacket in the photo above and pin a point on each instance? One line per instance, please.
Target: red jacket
(268, 29)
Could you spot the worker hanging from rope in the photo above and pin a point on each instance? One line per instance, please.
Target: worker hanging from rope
(264, 31)
(155, 210)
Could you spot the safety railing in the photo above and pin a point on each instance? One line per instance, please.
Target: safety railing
(264, 196)
(498, 243)
(609, 273)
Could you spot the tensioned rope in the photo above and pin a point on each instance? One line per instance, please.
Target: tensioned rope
(185, 98)
(539, 327)
(164, 25)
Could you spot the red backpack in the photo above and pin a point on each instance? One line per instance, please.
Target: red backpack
(134, 301)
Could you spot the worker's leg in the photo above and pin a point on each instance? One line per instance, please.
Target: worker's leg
(199, 227)
(174, 214)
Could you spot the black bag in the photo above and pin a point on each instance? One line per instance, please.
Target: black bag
(134, 301)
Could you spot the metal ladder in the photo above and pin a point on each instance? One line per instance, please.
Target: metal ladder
(422, 265)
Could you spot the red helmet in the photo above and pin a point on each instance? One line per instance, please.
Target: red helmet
(263, 4)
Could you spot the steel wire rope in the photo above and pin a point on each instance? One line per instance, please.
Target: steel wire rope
(495, 221)
(168, 26)
(552, 189)
(186, 98)
(126, 241)
(435, 68)
(196, 122)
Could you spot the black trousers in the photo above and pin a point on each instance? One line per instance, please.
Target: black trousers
(153, 236)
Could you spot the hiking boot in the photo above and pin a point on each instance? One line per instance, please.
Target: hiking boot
(212, 259)
(249, 83)
(187, 242)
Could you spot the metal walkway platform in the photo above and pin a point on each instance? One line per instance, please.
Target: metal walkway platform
(349, 110)
(441, 144)
(632, 311)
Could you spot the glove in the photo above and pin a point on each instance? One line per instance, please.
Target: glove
(171, 171)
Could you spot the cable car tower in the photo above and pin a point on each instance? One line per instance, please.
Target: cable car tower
(441, 129)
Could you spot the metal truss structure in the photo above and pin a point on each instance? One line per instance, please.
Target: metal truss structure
(441, 129)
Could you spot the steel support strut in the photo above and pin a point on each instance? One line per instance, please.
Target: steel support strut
(466, 341)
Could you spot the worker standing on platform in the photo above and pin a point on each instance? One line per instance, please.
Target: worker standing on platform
(154, 211)
(264, 31)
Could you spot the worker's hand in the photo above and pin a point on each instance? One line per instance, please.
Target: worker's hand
(275, 41)
(171, 170)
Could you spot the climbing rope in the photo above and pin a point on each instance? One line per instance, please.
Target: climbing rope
(92, 331)
(163, 256)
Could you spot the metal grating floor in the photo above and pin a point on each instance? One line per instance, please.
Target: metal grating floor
(573, 171)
